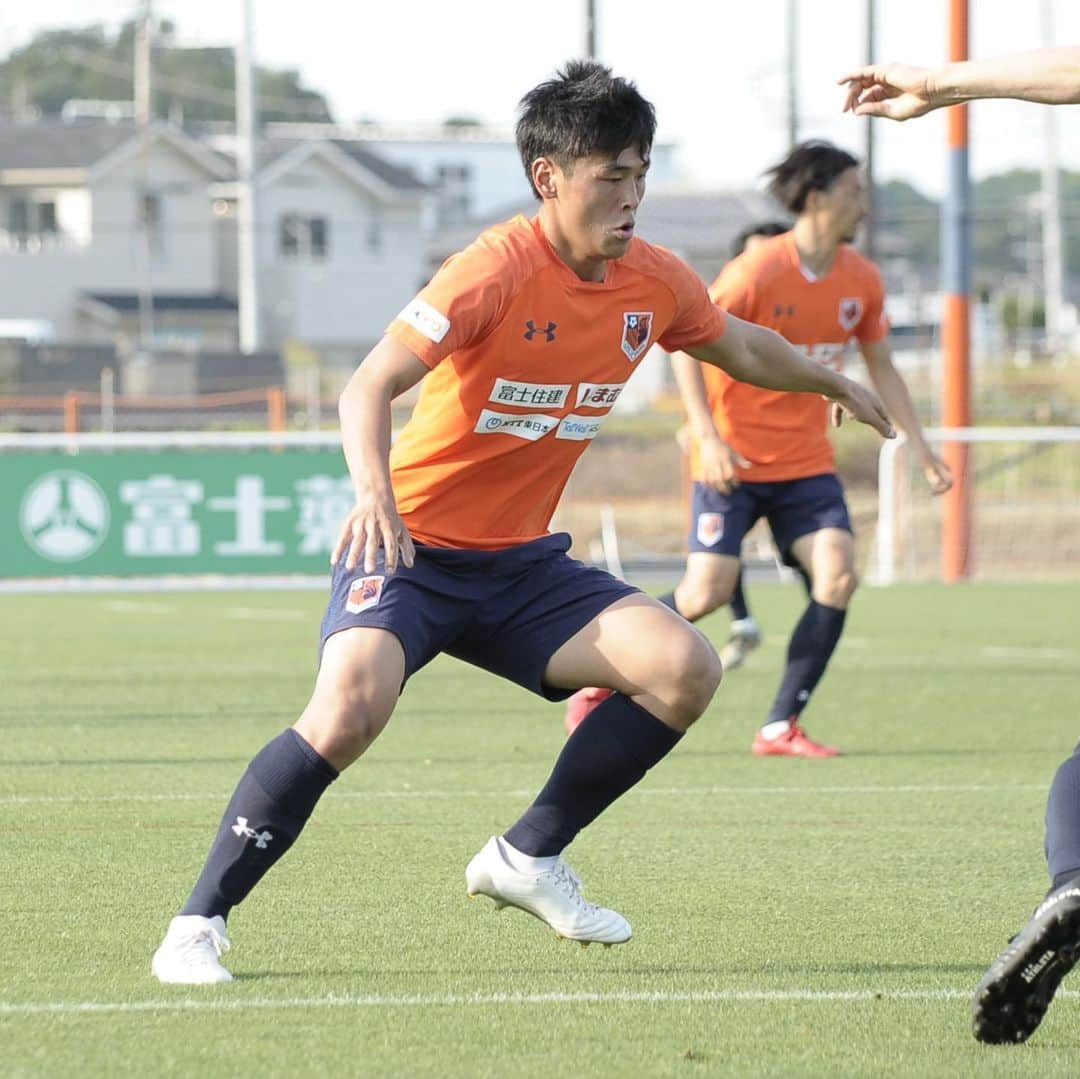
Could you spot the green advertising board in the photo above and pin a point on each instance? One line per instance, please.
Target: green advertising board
(175, 512)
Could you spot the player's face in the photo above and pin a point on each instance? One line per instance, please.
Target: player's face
(598, 199)
(845, 204)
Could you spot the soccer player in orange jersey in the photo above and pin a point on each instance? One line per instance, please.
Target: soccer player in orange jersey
(526, 339)
(1013, 995)
(766, 453)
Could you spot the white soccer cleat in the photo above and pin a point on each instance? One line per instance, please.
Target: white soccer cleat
(745, 636)
(191, 950)
(554, 896)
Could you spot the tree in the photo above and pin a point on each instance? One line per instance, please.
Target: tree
(60, 65)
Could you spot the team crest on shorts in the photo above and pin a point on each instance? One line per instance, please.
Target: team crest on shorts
(710, 528)
(850, 312)
(637, 326)
(364, 592)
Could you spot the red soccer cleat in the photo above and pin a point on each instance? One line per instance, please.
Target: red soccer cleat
(794, 742)
(581, 704)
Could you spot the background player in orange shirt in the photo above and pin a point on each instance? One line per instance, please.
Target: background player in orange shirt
(763, 453)
(526, 339)
(1013, 995)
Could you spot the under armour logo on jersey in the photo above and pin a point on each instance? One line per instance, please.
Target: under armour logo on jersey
(531, 330)
(261, 838)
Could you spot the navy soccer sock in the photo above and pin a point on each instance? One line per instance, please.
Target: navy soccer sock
(812, 645)
(268, 810)
(1063, 822)
(616, 744)
(739, 609)
(668, 600)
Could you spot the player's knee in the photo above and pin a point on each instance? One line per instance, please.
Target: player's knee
(697, 672)
(837, 589)
(346, 721)
(701, 596)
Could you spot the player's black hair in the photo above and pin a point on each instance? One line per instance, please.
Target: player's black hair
(762, 228)
(811, 166)
(583, 110)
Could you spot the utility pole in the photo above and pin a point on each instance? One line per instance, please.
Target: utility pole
(590, 29)
(792, 73)
(246, 230)
(1052, 241)
(870, 126)
(144, 110)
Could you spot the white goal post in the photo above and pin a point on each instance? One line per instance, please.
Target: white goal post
(1025, 484)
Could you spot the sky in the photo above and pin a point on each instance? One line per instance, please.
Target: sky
(715, 69)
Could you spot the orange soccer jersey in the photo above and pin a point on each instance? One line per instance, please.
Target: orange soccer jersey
(527, 360)
(783, 434)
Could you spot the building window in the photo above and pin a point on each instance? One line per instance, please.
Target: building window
(302, 236)
(31, 224)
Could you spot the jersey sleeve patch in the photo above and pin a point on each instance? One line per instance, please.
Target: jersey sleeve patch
(425, 319)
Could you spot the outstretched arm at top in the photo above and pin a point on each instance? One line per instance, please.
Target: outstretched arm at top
(364, 408)
(754, 354)
(901, 92)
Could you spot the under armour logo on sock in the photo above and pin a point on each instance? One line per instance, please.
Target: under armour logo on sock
(261, 838)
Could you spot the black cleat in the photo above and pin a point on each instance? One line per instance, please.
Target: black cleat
(1015, 992)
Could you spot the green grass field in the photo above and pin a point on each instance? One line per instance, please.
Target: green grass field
(790, 917)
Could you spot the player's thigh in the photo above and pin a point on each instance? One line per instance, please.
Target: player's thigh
(644, 650)
(828, 555)
(356, 689)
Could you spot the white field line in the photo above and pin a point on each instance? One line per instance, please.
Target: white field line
(487, 1000)
(660, 792)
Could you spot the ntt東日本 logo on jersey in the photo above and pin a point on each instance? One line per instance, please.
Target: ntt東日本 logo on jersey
(364, 592)
(637, 326)
(425, 319)
(850, 312)
(527, 425)
(710, 529)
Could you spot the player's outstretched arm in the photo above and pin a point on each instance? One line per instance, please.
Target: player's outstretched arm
(364, 408)
(754, 354)
(901, 92)
(894, 393)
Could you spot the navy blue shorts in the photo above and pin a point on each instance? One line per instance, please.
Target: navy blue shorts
(793, 508)
(507, 611)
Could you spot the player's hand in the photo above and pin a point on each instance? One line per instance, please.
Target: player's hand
(895, 91)
(684, 439)
(937, 472)
(373, 523)
(719, 464)
(863, 405)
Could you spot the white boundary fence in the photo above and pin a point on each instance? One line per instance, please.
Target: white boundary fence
(887, 476)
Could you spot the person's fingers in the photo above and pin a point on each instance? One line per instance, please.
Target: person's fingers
(390, 546)
(408, 549)
(371, 549)
(356, 544)
(836, 413)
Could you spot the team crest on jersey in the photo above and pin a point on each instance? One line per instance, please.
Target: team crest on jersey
(710, 529)
(850, 312)
(637, 326)
(364, 592)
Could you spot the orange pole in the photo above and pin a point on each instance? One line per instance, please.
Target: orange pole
(275, 407)
(956, 510)
(71, 412)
